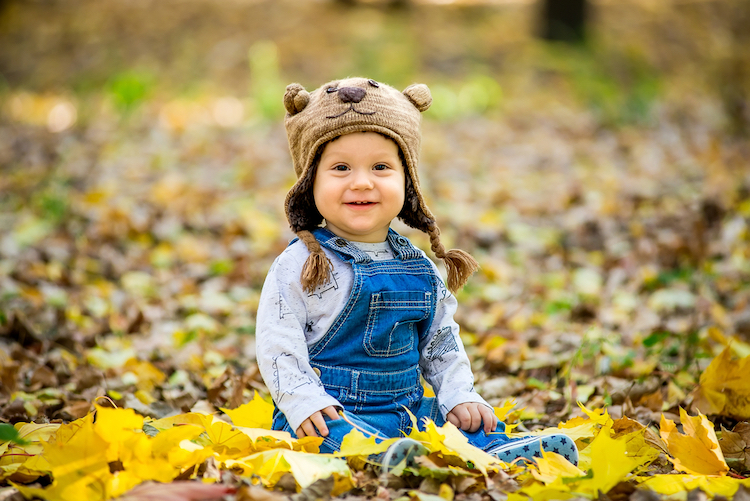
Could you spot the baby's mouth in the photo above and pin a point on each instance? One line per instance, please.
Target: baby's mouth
(360, 203)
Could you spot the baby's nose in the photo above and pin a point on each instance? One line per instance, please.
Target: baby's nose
(351, 94)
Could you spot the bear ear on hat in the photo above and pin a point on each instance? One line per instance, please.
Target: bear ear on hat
(419, 95)
(295, 98)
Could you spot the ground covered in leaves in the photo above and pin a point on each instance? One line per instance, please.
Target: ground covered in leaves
(605, 191)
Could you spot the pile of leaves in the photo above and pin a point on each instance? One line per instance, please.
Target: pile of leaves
(117, 453)
(611, 219)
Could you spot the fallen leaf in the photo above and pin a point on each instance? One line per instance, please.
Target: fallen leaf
(257, 413)
(611, 461)
(176, 491)
(14, 455)
(306, 468)
(724, 388)
(735, 445)
(670, 485)
(553, 467)
(355, 443)
(504, 410)
(448, 439)
(79, 462)
(697, 451)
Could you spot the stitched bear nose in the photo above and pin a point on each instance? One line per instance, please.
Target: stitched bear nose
(351, 94)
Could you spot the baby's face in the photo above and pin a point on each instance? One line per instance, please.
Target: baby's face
(359, 186)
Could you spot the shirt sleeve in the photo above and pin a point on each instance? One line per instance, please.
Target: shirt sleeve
(281, 348)
(443, 358)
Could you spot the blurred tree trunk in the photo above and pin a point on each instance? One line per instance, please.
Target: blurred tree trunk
(564, 20)
(734, 75)
(389, 3)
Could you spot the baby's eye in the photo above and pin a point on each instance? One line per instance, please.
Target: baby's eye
(380, 167)
(340, 167)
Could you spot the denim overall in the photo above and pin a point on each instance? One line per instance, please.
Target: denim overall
(369, 358)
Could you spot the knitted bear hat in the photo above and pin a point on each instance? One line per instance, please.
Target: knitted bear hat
(359, 105)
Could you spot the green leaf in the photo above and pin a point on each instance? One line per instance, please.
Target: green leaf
(9, 434)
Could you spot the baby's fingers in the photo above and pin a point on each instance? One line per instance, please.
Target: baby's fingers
(451, 417)
(476, 418)
(306, 429)
(320, 424)
(462, 417)
(331, 412)
(488, 418)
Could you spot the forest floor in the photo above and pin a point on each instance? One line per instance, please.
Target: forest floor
(138, 223)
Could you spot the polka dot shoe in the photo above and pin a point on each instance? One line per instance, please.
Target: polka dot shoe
(530, 447)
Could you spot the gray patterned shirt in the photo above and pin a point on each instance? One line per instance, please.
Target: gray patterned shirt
(291, 320)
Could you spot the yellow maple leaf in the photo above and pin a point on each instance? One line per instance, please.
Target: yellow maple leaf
(541, 492)
(257, 413)
(610, 459)
(697, 451)
(188, 453)
(122, 482)
(580, 428)
(740, 348)
(147, 373)
(272, 439)
(78, 461)
(306, 468)
(552, 468)
(115, 426)
(138, 459)
(448, 439)
(611, 462)
(724, 388)
(167, 440)
(670, 485)
(503, 411)
(227, 440)
(355, 443)
(13, 457)
(639, 443)
(194, 418)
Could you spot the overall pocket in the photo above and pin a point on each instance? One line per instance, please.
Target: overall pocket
(391, 323)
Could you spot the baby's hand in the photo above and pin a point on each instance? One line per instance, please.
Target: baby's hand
(469, 416)
(308, 426)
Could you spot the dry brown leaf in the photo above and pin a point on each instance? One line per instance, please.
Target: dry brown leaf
(735, 445)
(176, 491)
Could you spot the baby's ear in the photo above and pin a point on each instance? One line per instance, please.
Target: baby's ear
(419, 95)
(295, 98)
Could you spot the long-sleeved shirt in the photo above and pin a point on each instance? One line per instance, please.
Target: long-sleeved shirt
(290, 320)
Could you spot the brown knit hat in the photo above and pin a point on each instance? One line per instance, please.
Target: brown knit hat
(359, 105)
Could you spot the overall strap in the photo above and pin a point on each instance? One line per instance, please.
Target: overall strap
(401, 246)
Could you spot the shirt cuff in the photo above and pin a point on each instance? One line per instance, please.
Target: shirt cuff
(462, 398)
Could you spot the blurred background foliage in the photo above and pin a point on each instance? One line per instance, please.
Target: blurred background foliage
(479, 56)
(602, 184)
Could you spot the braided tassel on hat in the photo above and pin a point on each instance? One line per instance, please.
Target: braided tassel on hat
(317, 268)
(459, 264)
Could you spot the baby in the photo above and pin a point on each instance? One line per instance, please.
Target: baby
(352, 315)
